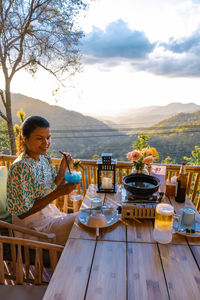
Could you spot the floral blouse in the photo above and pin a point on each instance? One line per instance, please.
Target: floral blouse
(28, 180)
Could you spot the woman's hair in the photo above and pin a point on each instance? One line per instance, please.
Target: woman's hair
(27, 127)
(31, 123)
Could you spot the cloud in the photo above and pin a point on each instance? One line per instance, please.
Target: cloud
(180, 57)
(118, 40)
(119, 44)
(188, 66)
(196, 1)
(189, 44)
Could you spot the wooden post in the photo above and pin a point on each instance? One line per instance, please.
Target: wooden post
(19, 269)
(1, 264)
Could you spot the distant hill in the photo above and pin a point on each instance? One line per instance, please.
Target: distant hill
(71, 131)
(175, 137)
(181, 119)
(84, 136)
(58, 117)
(148, 116)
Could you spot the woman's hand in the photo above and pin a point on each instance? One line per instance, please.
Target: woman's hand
(66, 188)
(66, 159)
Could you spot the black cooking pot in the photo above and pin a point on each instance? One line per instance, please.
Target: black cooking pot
(141, 185)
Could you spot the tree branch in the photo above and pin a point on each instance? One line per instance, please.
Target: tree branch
(18, 60)
(3, 98)
(3, 116)
(50, 71)
(7, 10)
(22, 66)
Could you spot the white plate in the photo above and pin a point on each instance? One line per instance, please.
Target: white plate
(197, 226)
(110, 214)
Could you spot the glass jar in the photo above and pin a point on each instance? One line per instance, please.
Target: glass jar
(144, 170)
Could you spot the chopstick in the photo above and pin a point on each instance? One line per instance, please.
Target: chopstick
(66, 160)
(125, 222)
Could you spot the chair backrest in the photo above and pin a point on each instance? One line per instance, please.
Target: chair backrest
(17, 265)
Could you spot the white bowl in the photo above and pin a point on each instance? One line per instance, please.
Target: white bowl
(97, 221)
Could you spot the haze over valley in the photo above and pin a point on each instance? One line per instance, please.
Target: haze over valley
(84, 136)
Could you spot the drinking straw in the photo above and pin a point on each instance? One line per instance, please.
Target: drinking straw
(66, 160)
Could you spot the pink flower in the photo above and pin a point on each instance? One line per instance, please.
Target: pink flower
(148, 160)
(145, 151)
(129, 156)
(134, 155)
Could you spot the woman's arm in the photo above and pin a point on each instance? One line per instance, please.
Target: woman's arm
(40, 203)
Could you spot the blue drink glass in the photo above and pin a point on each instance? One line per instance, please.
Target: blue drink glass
(73, 177)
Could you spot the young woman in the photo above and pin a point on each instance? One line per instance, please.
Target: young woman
(33, 183)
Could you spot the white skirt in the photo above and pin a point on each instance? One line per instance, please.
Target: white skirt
(48, 220)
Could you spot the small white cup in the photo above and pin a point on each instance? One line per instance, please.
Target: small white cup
(188, 217)
(96, 202)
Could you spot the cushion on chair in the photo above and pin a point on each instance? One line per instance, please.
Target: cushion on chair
(4, 214)
(3, 193)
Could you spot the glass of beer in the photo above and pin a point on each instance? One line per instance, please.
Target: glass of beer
(163, 223)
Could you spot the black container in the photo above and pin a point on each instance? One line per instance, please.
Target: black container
(141, 185)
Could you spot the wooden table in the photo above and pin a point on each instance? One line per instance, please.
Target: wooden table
(124, 262)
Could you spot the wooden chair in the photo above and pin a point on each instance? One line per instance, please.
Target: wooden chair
(25, 261)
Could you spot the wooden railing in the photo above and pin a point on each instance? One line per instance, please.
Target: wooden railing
(89, 175)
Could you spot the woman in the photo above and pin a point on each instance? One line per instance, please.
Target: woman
(33, 183)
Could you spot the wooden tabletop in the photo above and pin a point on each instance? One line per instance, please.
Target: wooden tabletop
(125, 262)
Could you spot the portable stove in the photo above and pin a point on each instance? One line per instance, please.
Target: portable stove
(139, 207)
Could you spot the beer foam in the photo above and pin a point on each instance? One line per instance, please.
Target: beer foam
(165, 209)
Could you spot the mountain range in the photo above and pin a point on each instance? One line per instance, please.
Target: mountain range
(58, 117)
(71, 131)
(84, 136)
(148, 116)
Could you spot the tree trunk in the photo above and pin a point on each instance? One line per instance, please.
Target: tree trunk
(9, 116)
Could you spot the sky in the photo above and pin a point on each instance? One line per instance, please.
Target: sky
(135, 53)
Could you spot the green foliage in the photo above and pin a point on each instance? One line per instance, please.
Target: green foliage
(16, 129)
(41, 33)
(21, 115)
(176, 136)
(4, 140)
(168, 161)
(38, 34)
(77, 165)
(95, 157)
(195, 159)
(141, 142)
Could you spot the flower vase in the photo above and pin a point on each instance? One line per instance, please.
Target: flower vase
(140, 171)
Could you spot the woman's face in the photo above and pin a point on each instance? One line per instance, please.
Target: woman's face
(38, 142)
